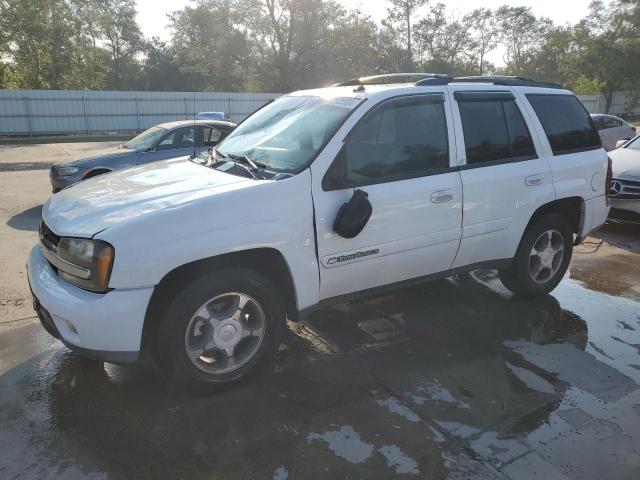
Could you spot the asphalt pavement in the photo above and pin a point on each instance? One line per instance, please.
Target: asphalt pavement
(453, 379)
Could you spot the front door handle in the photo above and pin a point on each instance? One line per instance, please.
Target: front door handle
(442, 196)
(533, 180)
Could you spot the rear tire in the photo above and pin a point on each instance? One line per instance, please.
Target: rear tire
(220, 328)
(542, 257)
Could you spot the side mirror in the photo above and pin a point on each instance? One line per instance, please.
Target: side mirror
(621, 143)
(353, 215)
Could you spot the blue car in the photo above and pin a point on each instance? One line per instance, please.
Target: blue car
(167, 140)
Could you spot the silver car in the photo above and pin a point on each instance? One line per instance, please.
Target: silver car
(625, 185)
(164, 141)
(613, 129)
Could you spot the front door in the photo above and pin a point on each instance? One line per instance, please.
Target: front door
(177, 143)
(399, 154)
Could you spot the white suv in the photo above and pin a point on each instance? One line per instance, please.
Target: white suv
(319, 197)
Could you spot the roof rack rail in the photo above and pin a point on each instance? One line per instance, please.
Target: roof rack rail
(392, 78)
(510, 81)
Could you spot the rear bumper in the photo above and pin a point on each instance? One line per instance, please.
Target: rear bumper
(596, 211)
(103, 326)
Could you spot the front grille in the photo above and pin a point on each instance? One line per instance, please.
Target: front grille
(49, 239)
(625, 189)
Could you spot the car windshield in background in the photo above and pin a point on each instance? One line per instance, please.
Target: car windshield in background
(286, 134)
(146, 139)
(634, 144)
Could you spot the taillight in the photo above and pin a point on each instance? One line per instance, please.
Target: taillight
(607, 185)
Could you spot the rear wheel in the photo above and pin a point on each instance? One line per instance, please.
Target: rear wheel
(542, 258)
(220, 328)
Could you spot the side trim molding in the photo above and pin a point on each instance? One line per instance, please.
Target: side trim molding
(376, 291)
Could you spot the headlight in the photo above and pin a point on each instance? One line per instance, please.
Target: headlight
(65, 171)
(87, 263)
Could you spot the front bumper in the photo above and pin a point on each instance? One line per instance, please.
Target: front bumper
(103, 326)
(629, 206)
(58, 183)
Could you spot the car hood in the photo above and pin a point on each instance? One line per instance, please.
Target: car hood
(625, 162)
(108, 153)
(94, 205)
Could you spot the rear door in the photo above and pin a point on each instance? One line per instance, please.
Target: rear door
(400, 154)
(180, 142)
(572, 145)
(504, 178)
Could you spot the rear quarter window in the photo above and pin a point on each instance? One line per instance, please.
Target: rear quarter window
(566, 122)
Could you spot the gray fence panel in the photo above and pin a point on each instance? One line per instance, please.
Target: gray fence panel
(28, 112)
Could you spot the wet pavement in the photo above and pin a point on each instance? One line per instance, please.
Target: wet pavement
(452, 379)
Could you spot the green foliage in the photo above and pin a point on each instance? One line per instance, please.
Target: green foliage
(282, 45)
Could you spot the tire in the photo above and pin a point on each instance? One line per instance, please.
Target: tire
(521, 277)
(218, 294)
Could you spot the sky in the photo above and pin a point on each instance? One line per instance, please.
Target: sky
(152, 14)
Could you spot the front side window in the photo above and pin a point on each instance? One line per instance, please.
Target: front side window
(494, 131)
(404, 138)
(180, 138)
(566, 122)
(287, 134)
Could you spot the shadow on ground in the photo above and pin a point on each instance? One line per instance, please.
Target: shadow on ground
(28, 220)
(624, 235)
(24, 166)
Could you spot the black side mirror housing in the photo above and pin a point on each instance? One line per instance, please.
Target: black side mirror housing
(353, 215)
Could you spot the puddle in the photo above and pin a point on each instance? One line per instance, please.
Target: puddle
(394, 406)
(345, 443)
(531, 380)
(434, 392)
(398, 460)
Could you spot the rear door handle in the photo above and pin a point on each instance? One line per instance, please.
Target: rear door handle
(442, 196)
(533, 180)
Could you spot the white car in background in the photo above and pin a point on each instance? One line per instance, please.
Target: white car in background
(625, 185)
(613, 129)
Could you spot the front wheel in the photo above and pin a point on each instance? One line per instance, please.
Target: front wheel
(220, 328)
(542, 258)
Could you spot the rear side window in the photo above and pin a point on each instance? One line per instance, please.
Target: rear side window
(211, 136)
(494, 131)
(566, 122)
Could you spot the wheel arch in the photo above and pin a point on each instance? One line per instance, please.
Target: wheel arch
(95, 171)
(571, 207)
(267, 261)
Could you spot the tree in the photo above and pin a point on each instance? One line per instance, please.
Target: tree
(209, 51)
(609, 53)
(484, 34)
(116, 23)
(522, 35)
(401, 13)
(428, 32)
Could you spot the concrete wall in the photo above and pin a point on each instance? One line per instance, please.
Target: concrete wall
(28, 112)
(597, 104)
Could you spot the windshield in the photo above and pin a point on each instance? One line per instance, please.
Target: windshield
(286, 134)
(634, 144)
(146, 139)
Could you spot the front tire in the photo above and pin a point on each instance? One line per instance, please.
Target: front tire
(542, 257)
(220, 328)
